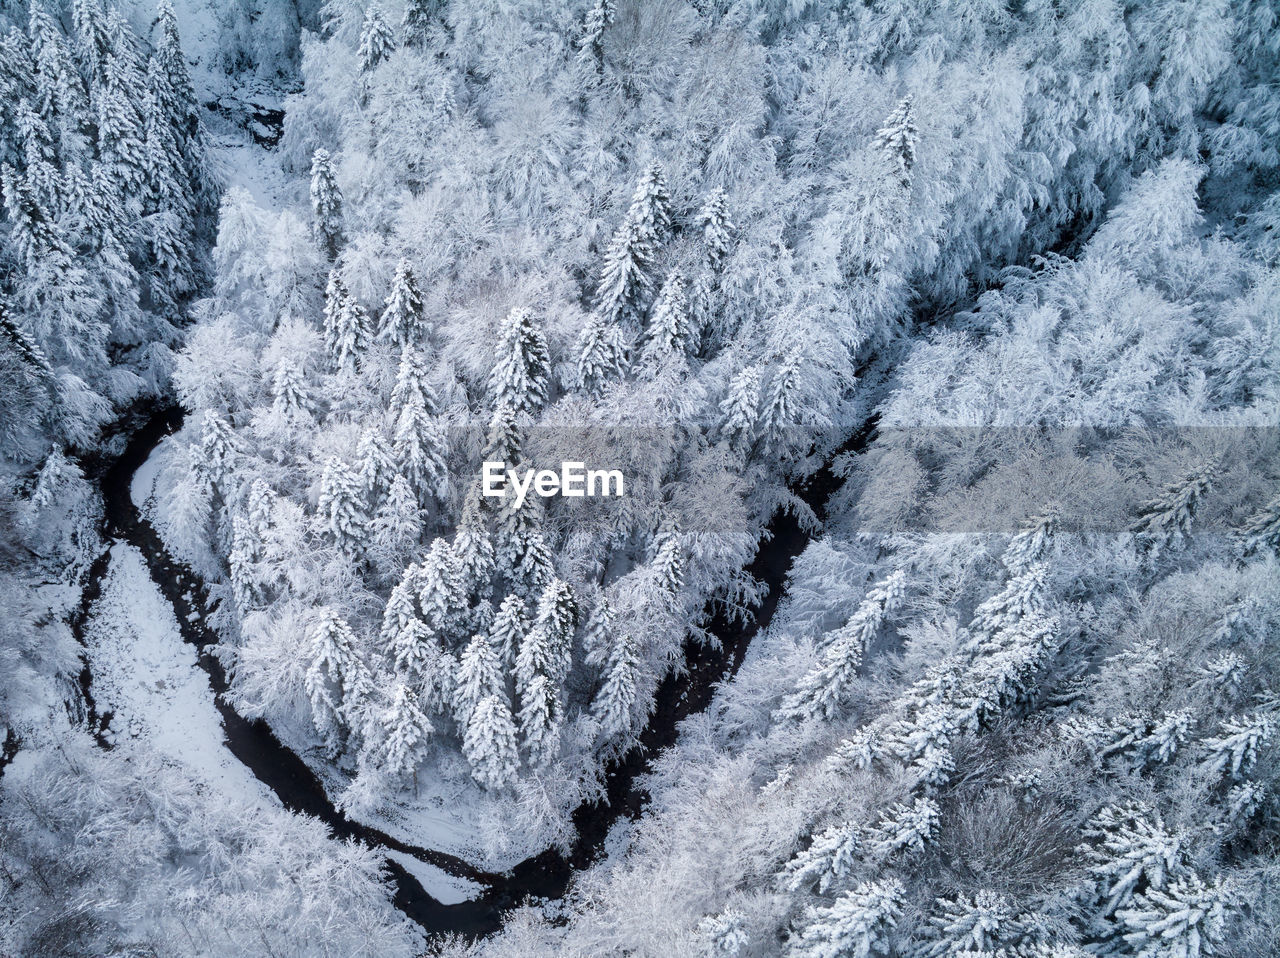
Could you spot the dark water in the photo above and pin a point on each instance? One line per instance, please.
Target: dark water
(252, 742)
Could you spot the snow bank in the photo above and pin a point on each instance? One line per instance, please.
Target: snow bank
(150, 682)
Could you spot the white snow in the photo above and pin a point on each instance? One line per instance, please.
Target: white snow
(445, 816)
(618, 839)
(436, 882)
(146, 675)
(143, 486)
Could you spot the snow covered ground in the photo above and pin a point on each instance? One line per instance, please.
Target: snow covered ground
(148, 679)
(445, 816)
(143, 486)
(437, 883)
(150, 682)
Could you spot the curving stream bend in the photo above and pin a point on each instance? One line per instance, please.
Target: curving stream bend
(252, 742)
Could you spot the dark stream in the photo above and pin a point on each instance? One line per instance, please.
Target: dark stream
(546, 875)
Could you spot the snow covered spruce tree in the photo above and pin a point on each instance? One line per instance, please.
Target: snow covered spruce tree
(627, 278)
(343, 508)
(591, 41)
(326, 204)
(522, 373)
(490, 743)
(615, 701)
(717, 229)
(419, 17)
(626, 282)
(897, 139)
(376, 40)
(403, 320)
(418, 444)
(346, 326)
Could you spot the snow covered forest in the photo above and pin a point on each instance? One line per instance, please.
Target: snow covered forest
(938, 342)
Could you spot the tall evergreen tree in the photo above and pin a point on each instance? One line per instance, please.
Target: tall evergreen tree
(823, 690)
(508, 630)
(490, 743)
(556, 619)
(782, 408)
(441, 591)
(504, 440)
(377, 465)
(121, 136)
(1242, 739)
(527, 559)
(717, 229)
(602, 353)
(539, 720)
(1262, 531)
(980, 924)
(1030, 544)
(627, 279)
(62, 313)
(905, 827)
(897, 139)
(16, 339)
(1188, 918)
(407, 731)
(828, 859)
(346, 326)
(474, 546)
(591, 40)
(668, 563)
(424, 662)
(39, 156)
(326, 204)
(291, 396)
(166, 179)
(168, 225)
(858, 924)
(522, 371)
(479, 677)
(616, 700)
(533, 659)
(1166, 519)
(740, 409)
(178, 101)
(398, 524)
(419, 15)
(1130, 849)
(220, 450)
(241, 566)
(598, 636)
(51, 478)
(173, 66)
(343, 508)
(420, 449)
(401, 608)
(412, 386)
(881, 601)
(376, 40)
(93, 39)
(62, 100)
(669, 331)
(337, 681)
(403, 318)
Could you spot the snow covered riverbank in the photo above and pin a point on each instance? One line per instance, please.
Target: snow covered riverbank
(148, 679)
